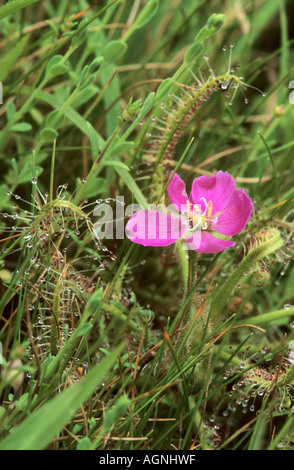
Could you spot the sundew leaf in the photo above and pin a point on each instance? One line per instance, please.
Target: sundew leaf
(55, 414)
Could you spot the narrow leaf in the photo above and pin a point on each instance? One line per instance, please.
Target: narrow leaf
(37, 431)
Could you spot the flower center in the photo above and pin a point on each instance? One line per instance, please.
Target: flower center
(199, 219)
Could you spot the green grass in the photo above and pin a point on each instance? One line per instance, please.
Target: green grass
(107, 344)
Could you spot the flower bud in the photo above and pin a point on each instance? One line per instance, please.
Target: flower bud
(131, 110)
(146, 13)
(278, 111)
(216, 21)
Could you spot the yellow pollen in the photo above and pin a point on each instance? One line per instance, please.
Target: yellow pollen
(190, 215)
(209, 208)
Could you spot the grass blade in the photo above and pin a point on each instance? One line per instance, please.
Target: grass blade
(53, 416)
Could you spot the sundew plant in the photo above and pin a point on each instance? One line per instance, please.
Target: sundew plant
(146, 220)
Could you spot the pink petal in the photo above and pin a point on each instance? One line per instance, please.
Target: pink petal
(236, 215)
(218, 189)
(154, 228)
(208, 243)
(177, 192)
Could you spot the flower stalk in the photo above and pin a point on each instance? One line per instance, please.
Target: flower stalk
(272, 244)
(95, 166)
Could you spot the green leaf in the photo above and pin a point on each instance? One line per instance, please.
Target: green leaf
(28, 172)
(121, 148)
(21, 127)
(121, 406)
(109, 420)
(54, 67)
(112, 94)
(143, 18)
(148, 103)
(132, 185)
(54, 120)
(163, 89)
(94, 141)
(94, 301)
(53, 27)
(79, 38)
(11, 57)
(85, 95)
(2, 411)
(193, 52)
(146, 14)
(10, 111)
(45, 366)
(114, 50)
(95, 187)
(58, 69)
(214, 23)
(4, 197)
(13, 6)
(84, 444)
(37, 431)
(86, 327)
(70, 113)
(115, 163)
(96, 64)
(49, 135)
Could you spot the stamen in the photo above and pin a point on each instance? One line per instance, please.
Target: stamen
(206, 204)
(209, 209)
(188, 204)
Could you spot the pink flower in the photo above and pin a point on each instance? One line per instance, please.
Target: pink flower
(214, 207)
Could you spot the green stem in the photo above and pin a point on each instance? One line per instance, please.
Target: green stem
(256, 254)
(54, 334)
(81, 190)
(265, 318)
(183, 111)
(52, 173)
